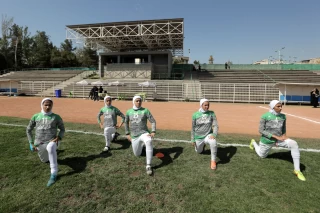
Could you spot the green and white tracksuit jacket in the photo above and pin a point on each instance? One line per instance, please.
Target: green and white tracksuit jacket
(110, 116)
(271, 124)
(202, 124)
(138, 122)
(46, 128)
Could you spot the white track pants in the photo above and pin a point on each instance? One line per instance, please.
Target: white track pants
(48, 152)
(263, 150)
(138, 143)
(211, 142)
(109, 134)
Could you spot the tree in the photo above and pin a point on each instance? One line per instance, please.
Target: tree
(56, 59)
(67, 53)
(196, 62)
(16, 33)
(27, 43)
(41, 49)
(5, 48)
(87, 57)
(3, 62)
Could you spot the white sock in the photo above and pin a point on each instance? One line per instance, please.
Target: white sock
(53, 159)
(149, 152)
(295, 153)
(213, 149)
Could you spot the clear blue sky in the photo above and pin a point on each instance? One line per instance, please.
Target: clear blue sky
(242, 31)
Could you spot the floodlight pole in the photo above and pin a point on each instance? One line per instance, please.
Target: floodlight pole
(279, 51)
(191, 69)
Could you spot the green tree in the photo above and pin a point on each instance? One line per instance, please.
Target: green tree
(16, 44)
(56, 59)
(41, 50)
(3, 62)
(67, 53)
(27, 43)
(5, 48)
(87, 57)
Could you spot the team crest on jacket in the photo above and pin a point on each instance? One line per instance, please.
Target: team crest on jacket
(135, 118)
(205, 119)
(107, 115)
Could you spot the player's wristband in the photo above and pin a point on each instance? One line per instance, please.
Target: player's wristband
(31, 147)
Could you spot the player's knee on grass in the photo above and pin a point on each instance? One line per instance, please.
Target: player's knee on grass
(199, 148)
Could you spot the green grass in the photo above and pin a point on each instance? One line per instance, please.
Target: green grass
(90, 181)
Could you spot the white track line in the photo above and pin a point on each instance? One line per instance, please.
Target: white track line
(296, 116)
(166, 140)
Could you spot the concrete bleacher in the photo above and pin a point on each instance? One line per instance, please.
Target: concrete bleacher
(248, 85)
(232, 76)
(293, 76)
(34, 82)
(256, 76)
(42, 75)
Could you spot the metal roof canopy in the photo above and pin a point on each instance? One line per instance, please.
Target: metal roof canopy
(155, 35)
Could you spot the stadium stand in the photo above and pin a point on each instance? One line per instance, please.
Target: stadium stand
(38, 81)
(258, 76)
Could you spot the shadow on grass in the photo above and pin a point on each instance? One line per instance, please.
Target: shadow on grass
(167, 159)
(285, 156)
(125, 144)
(223, 153)
(78, 164)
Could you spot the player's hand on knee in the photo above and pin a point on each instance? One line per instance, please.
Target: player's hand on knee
(33, 148)
(211, 137)
(284, 137)
(56, 140)
(129, 138)
(193, 144)
(152, 135)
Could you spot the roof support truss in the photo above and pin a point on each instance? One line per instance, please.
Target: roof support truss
(165, 35)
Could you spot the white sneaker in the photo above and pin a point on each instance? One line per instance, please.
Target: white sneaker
(106, 149)
(149, 170)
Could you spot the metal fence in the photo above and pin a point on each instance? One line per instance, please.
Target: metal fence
(247, 93)
(165, 90)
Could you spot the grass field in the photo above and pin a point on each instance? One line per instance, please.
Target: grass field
(91, 181)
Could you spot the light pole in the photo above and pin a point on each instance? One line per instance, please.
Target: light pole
(191, 63)
(279, 51)
(16, 39)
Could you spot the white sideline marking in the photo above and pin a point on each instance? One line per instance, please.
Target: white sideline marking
(167, 140)
(295, 116)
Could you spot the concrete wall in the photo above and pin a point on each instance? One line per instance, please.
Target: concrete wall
(156, 57)
(6, 86)
(295, 93)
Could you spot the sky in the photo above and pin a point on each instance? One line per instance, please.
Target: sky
(242, 31)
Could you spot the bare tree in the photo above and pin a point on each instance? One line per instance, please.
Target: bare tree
(6, 25)
(5, 48)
